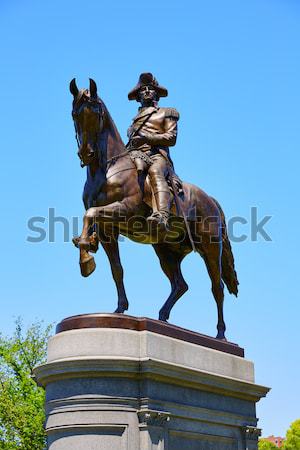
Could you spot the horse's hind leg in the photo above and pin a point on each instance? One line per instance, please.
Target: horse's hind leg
(111, 247)
(170, 262)
(212, 258)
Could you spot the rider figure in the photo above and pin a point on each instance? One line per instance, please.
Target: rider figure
(153, 131)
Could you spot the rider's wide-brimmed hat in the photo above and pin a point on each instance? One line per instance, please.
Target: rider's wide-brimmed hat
(147, 79)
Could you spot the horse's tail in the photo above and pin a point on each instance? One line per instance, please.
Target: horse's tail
(229, 275)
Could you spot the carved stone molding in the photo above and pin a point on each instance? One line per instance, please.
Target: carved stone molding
(123, 321)
(251, 433)
(153, 418)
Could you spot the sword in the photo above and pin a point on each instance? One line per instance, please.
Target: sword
(181, 211)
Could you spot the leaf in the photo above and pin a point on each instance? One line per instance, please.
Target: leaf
(21, 400)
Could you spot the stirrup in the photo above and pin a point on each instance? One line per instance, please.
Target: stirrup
(159, 218)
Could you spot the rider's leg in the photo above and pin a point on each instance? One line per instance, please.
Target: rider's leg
(141, 167)
(158, 172)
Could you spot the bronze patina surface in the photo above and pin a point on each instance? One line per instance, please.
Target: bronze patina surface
(133, 190)
(146, 324)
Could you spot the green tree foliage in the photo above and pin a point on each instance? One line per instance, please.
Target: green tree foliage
(292, 441)
(21, 400)
(266, 445)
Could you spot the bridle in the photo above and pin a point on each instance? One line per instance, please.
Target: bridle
(96, 106)
(90, 102)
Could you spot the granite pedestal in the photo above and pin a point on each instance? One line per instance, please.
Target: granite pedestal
(123, 383)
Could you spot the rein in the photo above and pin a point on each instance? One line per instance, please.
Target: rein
(126, 152)
(115, 158)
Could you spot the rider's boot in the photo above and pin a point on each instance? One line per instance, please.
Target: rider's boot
(161, 216)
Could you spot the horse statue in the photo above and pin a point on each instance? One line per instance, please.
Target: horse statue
(118, 201)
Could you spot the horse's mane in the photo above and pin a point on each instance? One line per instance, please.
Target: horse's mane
(111, 124)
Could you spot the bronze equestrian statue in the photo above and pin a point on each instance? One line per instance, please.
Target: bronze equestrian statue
(151, 134)
(121, 198)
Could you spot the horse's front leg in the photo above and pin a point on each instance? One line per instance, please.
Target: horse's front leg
(86, 261)
(114, 212)
(109, 241)
(88, 222)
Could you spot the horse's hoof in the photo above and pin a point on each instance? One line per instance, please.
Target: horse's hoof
(121, 309)
(221, 337)
(163, 317)
(87, 266)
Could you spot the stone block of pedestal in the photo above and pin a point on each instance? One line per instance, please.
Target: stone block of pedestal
(119, 382)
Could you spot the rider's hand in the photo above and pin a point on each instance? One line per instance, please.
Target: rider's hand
(137, 141)
(145, 136)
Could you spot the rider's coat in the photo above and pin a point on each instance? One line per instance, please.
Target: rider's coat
(159, 126)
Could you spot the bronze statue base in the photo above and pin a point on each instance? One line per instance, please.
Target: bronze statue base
(104, 320)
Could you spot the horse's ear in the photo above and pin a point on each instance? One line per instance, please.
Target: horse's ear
(93, 89)
(73, 88)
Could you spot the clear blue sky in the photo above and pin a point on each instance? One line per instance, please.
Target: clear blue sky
(233, 71)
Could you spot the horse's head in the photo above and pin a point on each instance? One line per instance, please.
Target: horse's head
(88, 115)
